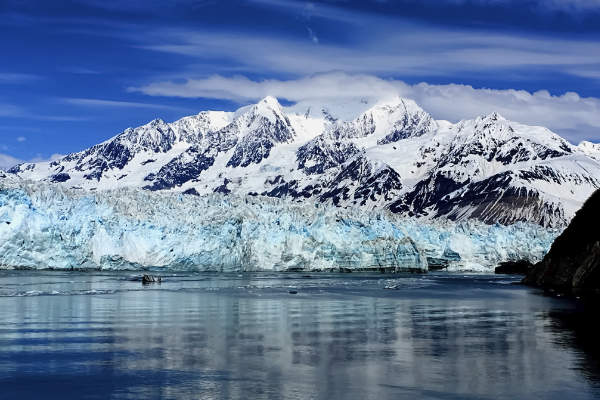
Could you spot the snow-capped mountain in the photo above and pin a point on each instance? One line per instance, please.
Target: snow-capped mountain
(388, 155)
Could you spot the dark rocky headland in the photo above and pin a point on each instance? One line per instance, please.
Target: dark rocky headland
(572, 265)
(520, 267)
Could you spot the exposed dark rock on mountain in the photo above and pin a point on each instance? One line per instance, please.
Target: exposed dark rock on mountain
(360, 180)
(573, 262)
(323, 154)
(183, 168)
(60, 177)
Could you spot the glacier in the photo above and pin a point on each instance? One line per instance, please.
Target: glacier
(48, 226)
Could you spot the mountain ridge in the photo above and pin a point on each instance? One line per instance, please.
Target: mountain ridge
(392, 154)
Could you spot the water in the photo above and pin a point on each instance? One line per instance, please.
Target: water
(438, 336)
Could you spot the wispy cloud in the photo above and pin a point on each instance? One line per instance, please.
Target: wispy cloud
(17, 78)
(146, 6)
(18, 128)
(413, 50)
(117, 104)
(569, 114)
(80, 70)
(10, 110)
(330, 9)
(563, 5)
(21, 139)
(14, 111)
(311, 34)
(310, 9)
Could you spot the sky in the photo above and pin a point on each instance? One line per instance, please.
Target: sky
(75, 73)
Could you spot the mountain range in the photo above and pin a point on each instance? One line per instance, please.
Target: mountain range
(390, 154)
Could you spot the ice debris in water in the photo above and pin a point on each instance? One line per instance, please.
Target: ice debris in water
(43, 226)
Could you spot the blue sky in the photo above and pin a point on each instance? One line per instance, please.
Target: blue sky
(74, 73)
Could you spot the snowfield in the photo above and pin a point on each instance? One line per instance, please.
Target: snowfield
(50, 226)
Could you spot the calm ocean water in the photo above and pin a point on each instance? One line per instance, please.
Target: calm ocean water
(72, 335)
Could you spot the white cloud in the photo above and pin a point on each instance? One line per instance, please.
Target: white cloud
(7, 161)
(569, 114)
(21, 139)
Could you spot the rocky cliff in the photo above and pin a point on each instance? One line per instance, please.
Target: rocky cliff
(573, 262)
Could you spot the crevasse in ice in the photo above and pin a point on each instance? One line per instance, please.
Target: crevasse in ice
(44, 226)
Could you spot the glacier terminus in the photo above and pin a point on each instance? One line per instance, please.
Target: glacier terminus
(44, 226)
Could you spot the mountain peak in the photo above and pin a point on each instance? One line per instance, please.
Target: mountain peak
(156, 122)
(493, 117)
(590, 149)
(484, 121)
(268, 108)
(586, 144)
(270, 101)
(396, 101)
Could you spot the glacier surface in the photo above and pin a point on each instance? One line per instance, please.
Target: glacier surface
(47, 226)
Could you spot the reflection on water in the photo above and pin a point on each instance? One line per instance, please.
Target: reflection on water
(580, 331)
(245, 336)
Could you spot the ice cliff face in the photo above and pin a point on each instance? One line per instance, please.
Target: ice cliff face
(387, 155)
(49, 226)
